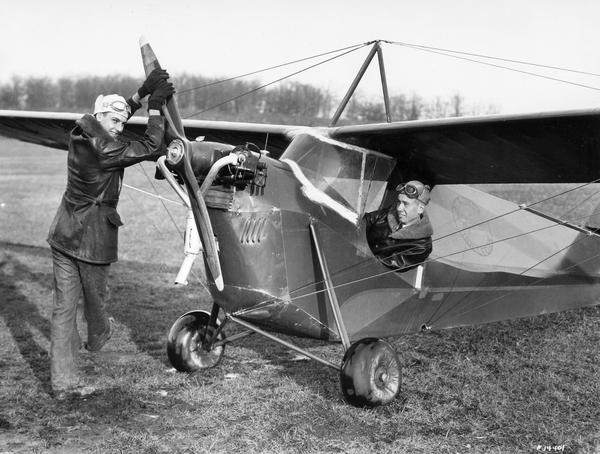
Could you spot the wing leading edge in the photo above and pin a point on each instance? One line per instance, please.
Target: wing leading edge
(52, 129)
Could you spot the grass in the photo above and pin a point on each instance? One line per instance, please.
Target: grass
(498, 388)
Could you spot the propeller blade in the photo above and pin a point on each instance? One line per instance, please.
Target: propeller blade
(199, 209)
(203, 222)
(170, 110)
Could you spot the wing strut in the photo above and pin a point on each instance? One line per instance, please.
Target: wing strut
(361, 72)
(335, 307)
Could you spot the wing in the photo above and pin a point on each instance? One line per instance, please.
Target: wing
(556, 147)
(43, 128)
(51, 129)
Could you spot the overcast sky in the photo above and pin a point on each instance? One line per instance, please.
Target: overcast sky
(227, 38)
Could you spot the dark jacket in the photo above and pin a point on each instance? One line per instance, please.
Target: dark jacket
(86, 224)
(403, 248)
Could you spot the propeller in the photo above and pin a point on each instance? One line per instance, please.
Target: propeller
(184, 168)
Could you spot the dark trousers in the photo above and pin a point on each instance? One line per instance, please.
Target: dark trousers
(72, 279)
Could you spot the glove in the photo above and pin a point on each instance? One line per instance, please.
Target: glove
(154, 78)
(160, 94)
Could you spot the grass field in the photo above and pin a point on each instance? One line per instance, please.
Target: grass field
(529, 385)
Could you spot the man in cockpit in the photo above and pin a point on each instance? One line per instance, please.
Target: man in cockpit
(400, 236)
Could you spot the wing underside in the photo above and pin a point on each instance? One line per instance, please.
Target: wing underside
(52, 129)
(560, 147)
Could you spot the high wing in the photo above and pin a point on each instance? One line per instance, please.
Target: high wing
(551, 147)
(51, 129)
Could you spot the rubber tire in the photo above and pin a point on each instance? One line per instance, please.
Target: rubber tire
(371, 374)
(184, 343)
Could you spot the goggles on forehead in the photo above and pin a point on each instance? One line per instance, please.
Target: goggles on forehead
(119, 106)
(411, 191)
(415, 190)
(112, 103)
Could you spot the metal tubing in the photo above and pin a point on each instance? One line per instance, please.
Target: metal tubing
(282, 342)
(231, 339)
(361, 73)
(208, 344)
(171, 180)
(384, 86)
(335, 307)
(230, 159)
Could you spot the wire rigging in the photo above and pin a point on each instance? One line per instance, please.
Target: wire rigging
(275, 81)
(221, 81)
(439, 51)
(522, 62)
(437, 259)
(534, 283)
(431, 50)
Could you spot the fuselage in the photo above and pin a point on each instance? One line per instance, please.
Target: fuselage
(273, 277)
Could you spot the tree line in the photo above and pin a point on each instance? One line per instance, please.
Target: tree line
(288, 102)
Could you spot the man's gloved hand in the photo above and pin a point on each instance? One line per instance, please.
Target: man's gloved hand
(154, 78)
(161, 93)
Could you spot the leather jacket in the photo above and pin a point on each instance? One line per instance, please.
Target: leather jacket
(86, 224)
(403, 248)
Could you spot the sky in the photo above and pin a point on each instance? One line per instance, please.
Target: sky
(225, 38)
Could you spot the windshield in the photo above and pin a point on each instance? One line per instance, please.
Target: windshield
(352, 176)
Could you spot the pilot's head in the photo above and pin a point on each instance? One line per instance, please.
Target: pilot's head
(112, 111)
(412, 198)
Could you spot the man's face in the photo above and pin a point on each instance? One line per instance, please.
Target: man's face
(112, 123)
(408, 210)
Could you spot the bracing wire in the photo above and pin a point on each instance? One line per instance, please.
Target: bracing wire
(534, 283)
(509, 60)
(366, 262)
(217, 82)
(163, 200)
(440, 51)
(436, 259)
(276, 81)
(556, 79)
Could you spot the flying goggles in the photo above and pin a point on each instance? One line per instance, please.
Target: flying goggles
(112, 103)
(415, 190)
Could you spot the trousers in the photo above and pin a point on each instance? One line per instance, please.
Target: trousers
(72, 280)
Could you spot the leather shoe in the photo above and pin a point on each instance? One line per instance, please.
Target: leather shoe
(101, 339)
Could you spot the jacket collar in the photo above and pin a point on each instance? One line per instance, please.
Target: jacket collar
(92, 127)
(420, 229)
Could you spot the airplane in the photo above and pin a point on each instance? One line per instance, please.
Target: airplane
(280, 227)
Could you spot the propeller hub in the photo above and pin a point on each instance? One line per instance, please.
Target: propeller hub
(175, 152)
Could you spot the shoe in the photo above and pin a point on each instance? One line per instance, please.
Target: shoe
(74, 392)
(101, 339)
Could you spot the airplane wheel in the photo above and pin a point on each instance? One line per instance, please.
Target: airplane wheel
(371, 374)
(184, 343)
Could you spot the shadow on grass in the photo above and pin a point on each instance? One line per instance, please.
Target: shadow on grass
(142, 299)
(20, 314)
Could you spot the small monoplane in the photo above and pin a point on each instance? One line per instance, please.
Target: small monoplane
(280, 226)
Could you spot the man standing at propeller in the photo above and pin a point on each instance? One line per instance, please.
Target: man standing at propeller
(400, 236)
(84, 233)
